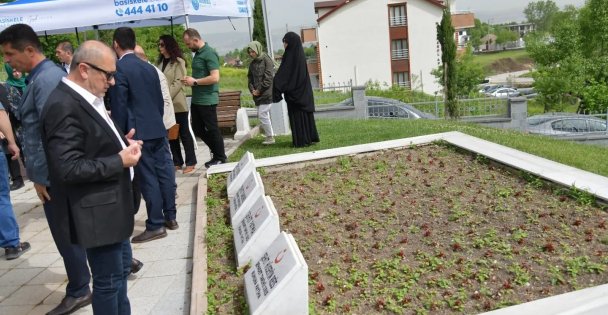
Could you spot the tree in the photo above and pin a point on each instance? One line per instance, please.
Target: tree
(572, 62)
(541, 14)
(468, 74)
(478, 32)
(445, 37)
(259, 31)
(504, 35)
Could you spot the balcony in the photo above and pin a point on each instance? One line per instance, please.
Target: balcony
(405, 84)
(398, 21)
(398, 54)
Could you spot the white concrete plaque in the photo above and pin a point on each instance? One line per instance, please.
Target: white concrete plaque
(240, 172)
(277, 282)
(257, 229)
(245, 196)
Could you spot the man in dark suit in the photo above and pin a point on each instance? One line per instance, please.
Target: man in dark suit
(90, 166)
(136, 101)
(23, 51)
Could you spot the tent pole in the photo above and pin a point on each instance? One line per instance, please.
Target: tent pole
(268, 33)
(249, 25)
(187, 21)
(46, 38)
(172, 27)
(77, 37)
(96, 29)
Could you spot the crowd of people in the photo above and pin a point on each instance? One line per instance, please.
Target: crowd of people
(104, 128)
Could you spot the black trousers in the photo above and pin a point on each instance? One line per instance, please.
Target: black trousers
(187, 142)
(204, 125)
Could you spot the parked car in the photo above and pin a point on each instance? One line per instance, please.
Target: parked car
(566, 124)
(489, 88)
(504, 93)
(380, 107)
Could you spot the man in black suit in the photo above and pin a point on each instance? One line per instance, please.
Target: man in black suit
(91, 170)
(136, 101)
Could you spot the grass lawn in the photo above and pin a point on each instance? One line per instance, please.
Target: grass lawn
(339, 133)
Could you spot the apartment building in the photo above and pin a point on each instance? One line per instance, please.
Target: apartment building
(385, 41)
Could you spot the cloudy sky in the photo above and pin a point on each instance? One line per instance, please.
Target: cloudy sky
(292, 15)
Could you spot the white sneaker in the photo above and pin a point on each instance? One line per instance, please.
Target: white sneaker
(269, 140)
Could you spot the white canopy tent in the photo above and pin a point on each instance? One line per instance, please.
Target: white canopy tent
(62, 16)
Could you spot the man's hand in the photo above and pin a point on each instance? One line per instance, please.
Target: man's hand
(129, 137)
(255, 93)
(41, 192)
(130, 155)
(14, 150)
(188, 81)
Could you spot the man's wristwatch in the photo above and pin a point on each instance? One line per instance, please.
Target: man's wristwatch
(195, 83)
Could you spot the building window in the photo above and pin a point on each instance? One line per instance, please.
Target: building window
(399, 49)
(397, 16)
(401, 79)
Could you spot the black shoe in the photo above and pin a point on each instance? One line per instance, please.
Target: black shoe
(136, 265)
(70, 304)
(147, 235)
(171, 224)
(14, 252)
(16, 185)
(214, 161)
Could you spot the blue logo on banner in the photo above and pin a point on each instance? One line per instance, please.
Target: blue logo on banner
(17, 2)
(195, 4)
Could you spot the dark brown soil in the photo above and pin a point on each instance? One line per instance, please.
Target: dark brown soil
(505, 65)
(421, 230)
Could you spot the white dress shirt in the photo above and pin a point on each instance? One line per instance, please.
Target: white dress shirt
(99, 107)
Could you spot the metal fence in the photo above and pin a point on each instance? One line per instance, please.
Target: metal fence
(467, 108)
(333, 93)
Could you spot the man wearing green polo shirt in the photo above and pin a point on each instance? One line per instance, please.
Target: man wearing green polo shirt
(205, 95)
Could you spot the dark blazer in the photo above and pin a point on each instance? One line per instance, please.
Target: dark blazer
(136, 100)
(89, 184)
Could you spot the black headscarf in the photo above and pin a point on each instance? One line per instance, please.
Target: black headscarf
(292, 78)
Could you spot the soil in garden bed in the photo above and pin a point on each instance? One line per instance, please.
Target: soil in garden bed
(420, 230)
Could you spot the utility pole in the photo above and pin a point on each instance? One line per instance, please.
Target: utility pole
(268, 32)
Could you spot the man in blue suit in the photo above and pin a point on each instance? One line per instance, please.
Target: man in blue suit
(23, 51)
(136, 102)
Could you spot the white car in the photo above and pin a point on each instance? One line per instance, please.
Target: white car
(504, 93)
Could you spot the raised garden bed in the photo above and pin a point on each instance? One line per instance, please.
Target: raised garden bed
(419, 230)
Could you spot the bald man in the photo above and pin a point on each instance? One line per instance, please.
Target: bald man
(91, 163)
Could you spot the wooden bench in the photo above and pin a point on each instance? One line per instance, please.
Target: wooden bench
(230, 102)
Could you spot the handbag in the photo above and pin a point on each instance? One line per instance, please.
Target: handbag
(173, 132)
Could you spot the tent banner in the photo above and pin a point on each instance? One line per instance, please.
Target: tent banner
(43, 15)
(234, 8)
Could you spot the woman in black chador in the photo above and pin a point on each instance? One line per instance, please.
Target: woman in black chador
(292, 80)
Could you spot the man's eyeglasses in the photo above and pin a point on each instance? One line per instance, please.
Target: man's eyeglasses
(109, 75)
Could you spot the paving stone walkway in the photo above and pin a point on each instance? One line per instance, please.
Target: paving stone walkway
(35, 283)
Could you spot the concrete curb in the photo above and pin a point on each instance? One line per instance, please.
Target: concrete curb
(198, 293)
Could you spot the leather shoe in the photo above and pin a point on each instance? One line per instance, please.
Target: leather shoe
(17, 185)
(214, 161)
(171, 224)
(136, 265)
(15, 252)
(147, 235)
(70, 304)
